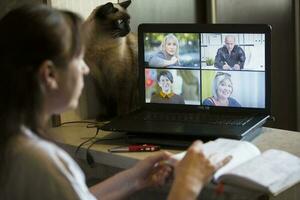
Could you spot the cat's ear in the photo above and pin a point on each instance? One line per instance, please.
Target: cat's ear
(125, 4)
(105, 10)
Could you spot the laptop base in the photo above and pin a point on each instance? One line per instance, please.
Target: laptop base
(178, 141)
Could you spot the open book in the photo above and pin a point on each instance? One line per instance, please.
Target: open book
(273, 171)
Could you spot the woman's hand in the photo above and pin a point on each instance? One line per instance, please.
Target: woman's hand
(192, 173)
(173, 60)
(150, 172)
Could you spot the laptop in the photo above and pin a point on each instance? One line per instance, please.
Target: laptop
(201, 81)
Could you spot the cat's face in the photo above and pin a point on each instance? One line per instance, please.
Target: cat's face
(114, 18)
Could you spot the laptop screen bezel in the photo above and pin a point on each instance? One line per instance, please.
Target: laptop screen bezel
(205, 28)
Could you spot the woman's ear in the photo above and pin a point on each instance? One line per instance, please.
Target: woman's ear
(48, 75)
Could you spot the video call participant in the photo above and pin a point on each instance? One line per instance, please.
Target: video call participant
(165, 82)
(168, 55)
(230, 56)
(42, 71)
(222, 89)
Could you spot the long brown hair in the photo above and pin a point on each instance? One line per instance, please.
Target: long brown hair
(30, 35)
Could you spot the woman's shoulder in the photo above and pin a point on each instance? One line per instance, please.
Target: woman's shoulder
(208, 101)
(233, 102)
(178, 98)
(40, 165)
(39, 154)
(34, 147)
(155, 97)
(158, 54)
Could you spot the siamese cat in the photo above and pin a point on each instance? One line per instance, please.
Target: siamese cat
(111, 54)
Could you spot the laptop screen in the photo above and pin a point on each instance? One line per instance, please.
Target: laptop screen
(210, 68)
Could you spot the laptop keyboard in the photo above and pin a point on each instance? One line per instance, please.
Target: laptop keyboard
(207, 118)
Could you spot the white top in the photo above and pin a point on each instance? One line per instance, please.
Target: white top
(42, 170)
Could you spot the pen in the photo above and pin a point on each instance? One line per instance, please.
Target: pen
(135, 148)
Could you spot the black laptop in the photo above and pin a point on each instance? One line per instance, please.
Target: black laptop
(201, 81)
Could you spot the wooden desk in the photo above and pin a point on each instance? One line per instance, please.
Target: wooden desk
(70, 136)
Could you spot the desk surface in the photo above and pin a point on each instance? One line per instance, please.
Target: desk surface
(70, 136)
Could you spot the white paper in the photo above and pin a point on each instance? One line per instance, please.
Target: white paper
(275, 170)
(219, 149)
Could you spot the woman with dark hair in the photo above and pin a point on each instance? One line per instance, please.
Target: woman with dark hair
(42, 69)
(166, 95)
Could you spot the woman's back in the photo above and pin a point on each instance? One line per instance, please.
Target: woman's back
(41, 170)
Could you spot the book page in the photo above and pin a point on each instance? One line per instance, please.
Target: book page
(274, 170)
(217, 150)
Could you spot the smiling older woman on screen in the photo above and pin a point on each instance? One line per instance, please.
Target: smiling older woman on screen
(222, 89)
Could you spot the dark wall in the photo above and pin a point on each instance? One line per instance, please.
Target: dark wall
(201, 12)
(281, 16)
(162, 11)
(7, 5)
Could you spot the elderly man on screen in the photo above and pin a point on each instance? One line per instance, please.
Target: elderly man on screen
(230, 56)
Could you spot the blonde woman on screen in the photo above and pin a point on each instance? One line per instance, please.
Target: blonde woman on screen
(168, 56)
(222, 89)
